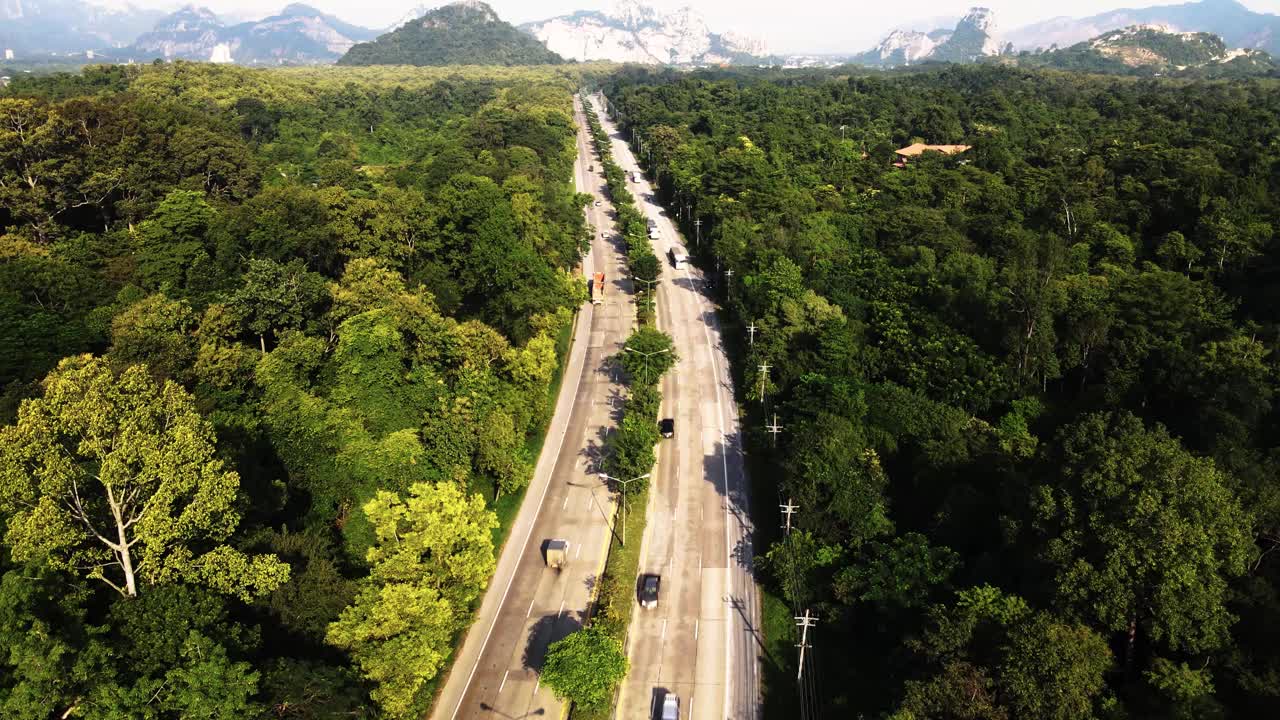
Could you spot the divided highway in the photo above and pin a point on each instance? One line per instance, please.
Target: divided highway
(701, 642)
(528, 606)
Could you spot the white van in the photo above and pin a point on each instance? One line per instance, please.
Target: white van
(671, 707)
(678, 259)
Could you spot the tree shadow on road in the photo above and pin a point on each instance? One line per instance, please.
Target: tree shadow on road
(548, 629)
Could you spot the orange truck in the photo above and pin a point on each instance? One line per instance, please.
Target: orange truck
(597, 288)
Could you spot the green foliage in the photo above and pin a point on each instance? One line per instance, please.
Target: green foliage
(432, 559)
(902, 573)
(355, 277)
(585, 667)
(115, 476)
(647, 355)
(942, 340)
(1143, 535)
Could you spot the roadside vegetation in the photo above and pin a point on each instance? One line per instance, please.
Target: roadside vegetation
(1026, 391)
(274, 346)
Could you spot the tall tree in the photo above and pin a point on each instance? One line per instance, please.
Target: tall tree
(433, 557)
(1143, 536)
(115, 476)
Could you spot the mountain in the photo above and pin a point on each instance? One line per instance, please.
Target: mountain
(41, 27)
(1237, 25)
(463, 33)
(1151, 49)
(299, 34)
(633, 32)
(973, 37)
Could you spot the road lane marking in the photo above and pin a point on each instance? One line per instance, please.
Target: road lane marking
(664, 631)
(695, 632)
(566, 502)
(529, 612)
(579, 550)
(561, 613)
(504, 681)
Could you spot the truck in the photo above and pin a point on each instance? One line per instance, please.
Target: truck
(653, 230)
(678, 257)
(557, 553)
(597, 288)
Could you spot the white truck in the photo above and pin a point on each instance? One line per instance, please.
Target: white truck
(653, 230)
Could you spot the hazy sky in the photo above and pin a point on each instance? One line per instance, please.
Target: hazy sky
(786, 25)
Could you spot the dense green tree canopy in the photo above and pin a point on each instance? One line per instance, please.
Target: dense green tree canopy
(236, 308)
(1045, 365)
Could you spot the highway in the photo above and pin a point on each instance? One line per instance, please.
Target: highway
(528, 606)
(701, 642)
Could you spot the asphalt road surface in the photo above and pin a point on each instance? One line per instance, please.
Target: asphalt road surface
(701, 642)
(528, 605)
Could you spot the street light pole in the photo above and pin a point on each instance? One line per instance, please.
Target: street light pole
(646, 355)
(650, 284)
(622, 494)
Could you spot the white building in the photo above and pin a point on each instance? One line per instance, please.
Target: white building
(8, 54)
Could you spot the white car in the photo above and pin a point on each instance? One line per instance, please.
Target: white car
(671, 707)
(597, 203)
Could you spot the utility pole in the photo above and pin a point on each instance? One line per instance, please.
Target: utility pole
(789, 509)
(774, 429)
(764, 378)
(751, 330)
(805, 622)
(728, 281)
(697, 226)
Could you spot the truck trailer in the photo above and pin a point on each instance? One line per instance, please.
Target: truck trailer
(597, 288)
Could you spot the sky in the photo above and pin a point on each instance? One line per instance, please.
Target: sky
(787, 26)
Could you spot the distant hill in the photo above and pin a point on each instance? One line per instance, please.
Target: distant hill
(631, 31)
(463, 33)
(299, 34)
(1236, 24)
(1152, 50)
(42, 27)
(973, 37)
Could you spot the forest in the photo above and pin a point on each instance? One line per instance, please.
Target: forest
(1026, 393)
(277, 349)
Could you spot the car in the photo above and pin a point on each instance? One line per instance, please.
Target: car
(671, 707)
(649, 585)
(597, 203)
(667, 427)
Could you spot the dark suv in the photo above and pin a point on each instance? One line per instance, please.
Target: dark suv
(667, 427)
(649, 585)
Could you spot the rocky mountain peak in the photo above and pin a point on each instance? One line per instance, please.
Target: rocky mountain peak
(979, 18)
(632, 14)
(631, 31)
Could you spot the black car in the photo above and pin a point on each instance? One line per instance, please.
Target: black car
(649, 585)
(667, 427)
